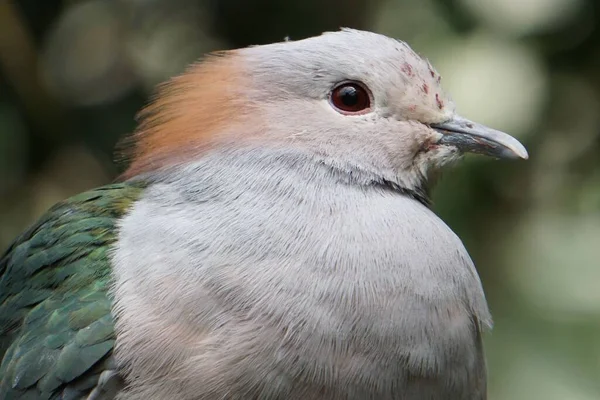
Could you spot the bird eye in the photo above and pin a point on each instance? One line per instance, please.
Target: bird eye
(350, 98)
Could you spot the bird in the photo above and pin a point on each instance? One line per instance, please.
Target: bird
(272, 237)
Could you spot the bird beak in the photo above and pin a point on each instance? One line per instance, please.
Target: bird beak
(469, 136)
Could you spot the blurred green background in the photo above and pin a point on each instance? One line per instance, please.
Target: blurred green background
(73, 74)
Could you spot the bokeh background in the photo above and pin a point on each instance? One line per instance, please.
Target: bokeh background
(73, 73)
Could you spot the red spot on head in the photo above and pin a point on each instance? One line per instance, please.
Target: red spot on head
(425, 88)
(439, 101)
(407, 69)
(412, 108)
(432, 73)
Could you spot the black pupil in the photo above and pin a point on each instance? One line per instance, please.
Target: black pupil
(349, 96)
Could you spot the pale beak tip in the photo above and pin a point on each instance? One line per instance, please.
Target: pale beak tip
(520, 152)
(524, 155)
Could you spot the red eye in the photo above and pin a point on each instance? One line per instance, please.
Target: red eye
(350, 98)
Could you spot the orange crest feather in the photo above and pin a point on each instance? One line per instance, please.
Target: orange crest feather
(185, 115)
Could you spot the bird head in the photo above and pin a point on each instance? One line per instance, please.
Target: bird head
(354, 100)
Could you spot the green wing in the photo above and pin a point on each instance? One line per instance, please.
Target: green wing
(56, 330)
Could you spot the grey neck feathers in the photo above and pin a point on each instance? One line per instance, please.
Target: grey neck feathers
(421, 194)
(249, 267)
(306, 165)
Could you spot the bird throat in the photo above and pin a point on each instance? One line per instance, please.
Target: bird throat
(421, 193)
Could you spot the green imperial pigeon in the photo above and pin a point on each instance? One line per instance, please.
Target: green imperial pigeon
(272, 239)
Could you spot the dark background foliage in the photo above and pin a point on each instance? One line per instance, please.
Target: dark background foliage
(73, 73)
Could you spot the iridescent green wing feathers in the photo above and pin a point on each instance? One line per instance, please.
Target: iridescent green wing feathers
(56, 330)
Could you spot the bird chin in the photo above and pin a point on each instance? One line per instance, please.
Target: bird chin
(429, 163)
(440, 155)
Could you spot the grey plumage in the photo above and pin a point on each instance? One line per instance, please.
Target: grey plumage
(292, 280)
(291, 253)
(270, 242)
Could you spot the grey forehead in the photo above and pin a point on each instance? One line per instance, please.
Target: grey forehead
(332, 57)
